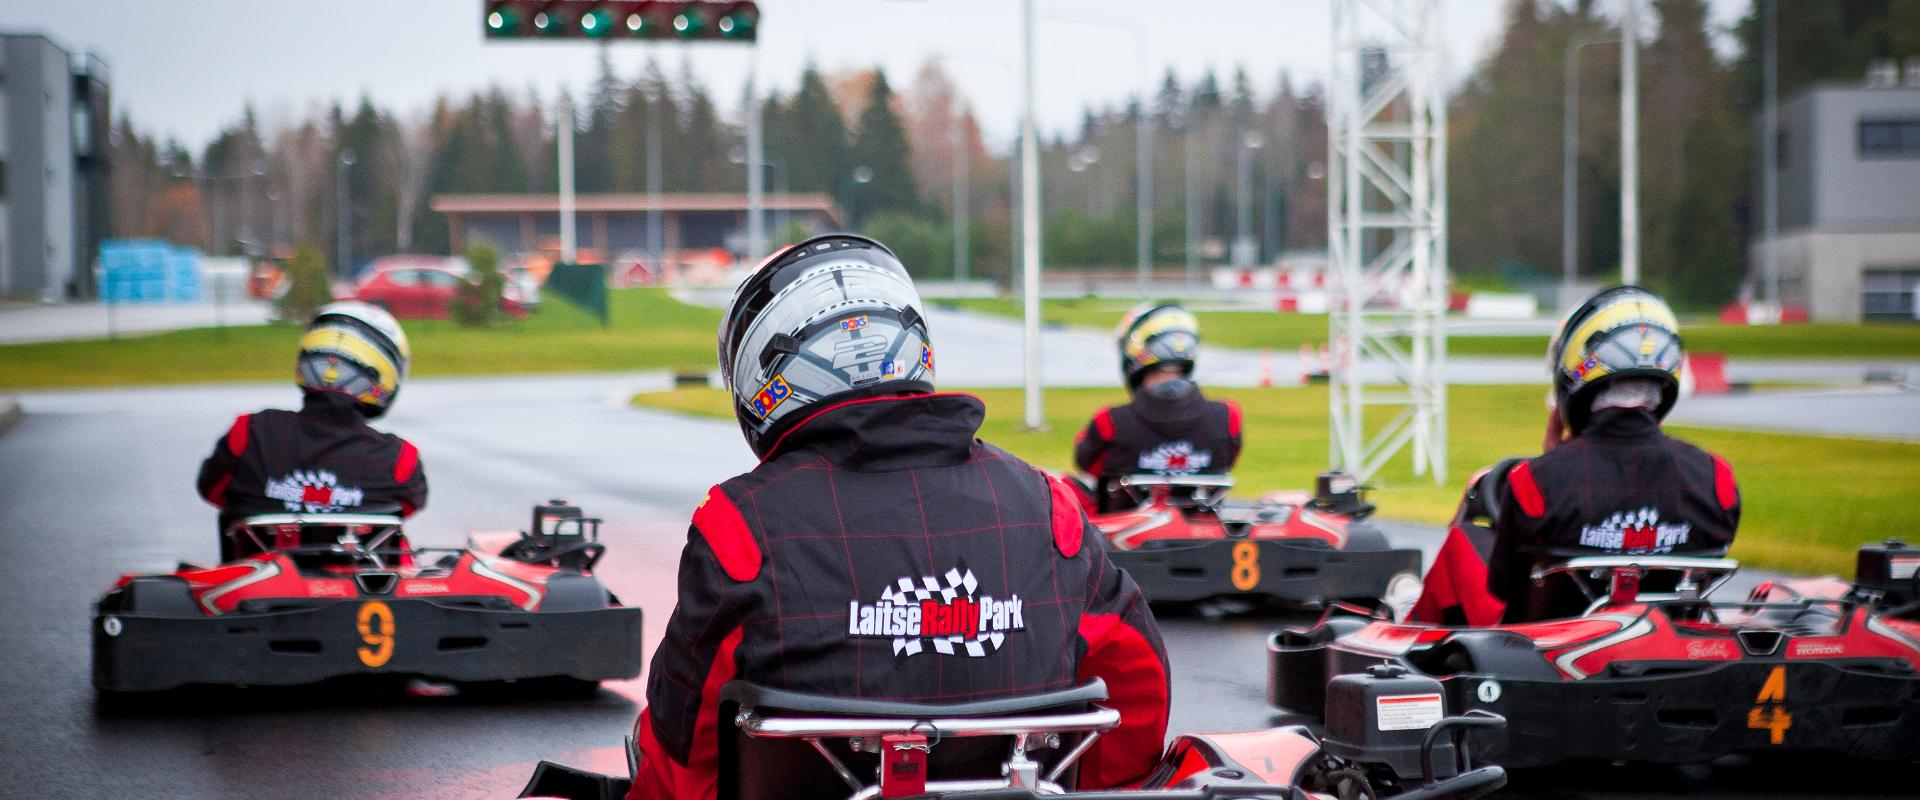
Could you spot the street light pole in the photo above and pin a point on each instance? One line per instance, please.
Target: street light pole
(956, 142)
(563, 130)
(1630, 144)
(1569, 172)
(1030, 222)
(1192, 206)
(342, 253)
(1244, 253)
(756, 180)
(1770, 157)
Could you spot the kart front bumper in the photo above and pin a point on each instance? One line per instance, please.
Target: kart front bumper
(1278, 569)
(134, 652)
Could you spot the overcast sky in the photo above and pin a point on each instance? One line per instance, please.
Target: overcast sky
(184, 68)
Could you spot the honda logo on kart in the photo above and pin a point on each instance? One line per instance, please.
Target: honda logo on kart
(943, 611)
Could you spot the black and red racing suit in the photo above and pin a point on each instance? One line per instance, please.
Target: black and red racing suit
(322, 459)
(1169, 429)
(1621, 486)
(882, 552)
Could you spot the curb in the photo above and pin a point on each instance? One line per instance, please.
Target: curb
(10, 413)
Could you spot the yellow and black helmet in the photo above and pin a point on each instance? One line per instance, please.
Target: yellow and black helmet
(357, 350)
(1152, 335)
(1623, 332)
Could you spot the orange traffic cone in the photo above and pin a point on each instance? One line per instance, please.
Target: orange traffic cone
(1266, 367)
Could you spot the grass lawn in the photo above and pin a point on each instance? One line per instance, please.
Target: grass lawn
(1809, 500)
(1286, 332)
(650, 331)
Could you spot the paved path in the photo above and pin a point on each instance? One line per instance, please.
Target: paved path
(20, 322)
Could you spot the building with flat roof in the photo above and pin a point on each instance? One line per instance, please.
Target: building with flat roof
(54, 212)
(1848, 247)
(612, 224)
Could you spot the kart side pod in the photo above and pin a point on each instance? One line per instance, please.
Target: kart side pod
(1395, 719)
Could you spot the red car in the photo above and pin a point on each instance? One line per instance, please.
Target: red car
(423, 287)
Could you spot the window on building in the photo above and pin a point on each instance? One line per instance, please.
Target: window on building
(1888, 293)
(1890, 138)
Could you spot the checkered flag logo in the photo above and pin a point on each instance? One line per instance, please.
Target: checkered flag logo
(945, 614)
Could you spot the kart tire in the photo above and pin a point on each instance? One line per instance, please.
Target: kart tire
(574, 592)
(1502, 653)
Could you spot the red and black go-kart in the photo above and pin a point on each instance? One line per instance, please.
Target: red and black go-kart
(324, 595)
(1182, 542)
(1390, 741)
(1645, 666)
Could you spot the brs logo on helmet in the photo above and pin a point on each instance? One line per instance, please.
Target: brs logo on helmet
(770, 396)
(926, 356)
(945, 613)
(853, 323)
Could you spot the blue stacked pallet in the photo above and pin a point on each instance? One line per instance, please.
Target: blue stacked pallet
(148, 271)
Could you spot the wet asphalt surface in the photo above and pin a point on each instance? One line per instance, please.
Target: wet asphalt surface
(93, 484)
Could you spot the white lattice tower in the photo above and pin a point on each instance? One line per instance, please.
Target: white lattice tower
(1387, 236)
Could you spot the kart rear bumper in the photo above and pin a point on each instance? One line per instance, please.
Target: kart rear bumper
(1699, 716)
(134, 652)
(1286, 571)
(1865, 709)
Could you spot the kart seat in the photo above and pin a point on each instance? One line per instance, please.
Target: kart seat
(777, 744)
(1560, 595)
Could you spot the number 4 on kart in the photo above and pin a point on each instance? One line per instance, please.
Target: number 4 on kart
(1770, 714)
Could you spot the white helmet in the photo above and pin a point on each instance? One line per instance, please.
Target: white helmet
(357, 350)
(830, 319)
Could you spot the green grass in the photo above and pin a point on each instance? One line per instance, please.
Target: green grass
(650, 331)
(1286, 332)
(1809, 501)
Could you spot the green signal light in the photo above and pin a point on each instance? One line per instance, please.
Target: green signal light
(737, 25)
(502, 22)
(689, 23)
(636, 24)
(597, 23)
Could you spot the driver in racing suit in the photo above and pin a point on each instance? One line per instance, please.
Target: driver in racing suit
(1169, 428)
(879, 550)
(1609, 481)
(324, 457)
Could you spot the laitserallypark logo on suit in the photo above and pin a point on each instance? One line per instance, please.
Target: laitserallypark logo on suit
(942, 611)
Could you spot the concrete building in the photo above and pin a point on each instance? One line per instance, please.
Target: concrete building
(608, 225)
(54, 118)
(1849, 172)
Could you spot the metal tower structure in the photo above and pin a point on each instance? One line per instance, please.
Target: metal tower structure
(1387, 236)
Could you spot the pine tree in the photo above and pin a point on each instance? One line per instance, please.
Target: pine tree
(816, 145)
(881, 147)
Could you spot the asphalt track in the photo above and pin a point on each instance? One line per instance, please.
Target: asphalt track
(96, 483)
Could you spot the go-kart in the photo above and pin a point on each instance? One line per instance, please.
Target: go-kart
(776, 745)
(1182, 542)
(316, 596)
(1642, 664)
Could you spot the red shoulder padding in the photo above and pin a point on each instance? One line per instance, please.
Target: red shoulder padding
(1520, 479)
(1137, 686)
(1103, 422)
(1724, 489)
(1069, 523)
(720, 523)
(409, 461)
(1233, 418)
(237, 435)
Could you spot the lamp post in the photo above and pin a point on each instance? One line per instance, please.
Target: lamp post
(342, 254)
(1244, 251)
(779, 170)
(1081, 161)
(1569, 171)
(1630, 143)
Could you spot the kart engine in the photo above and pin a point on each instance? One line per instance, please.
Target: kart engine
(1891, 569)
